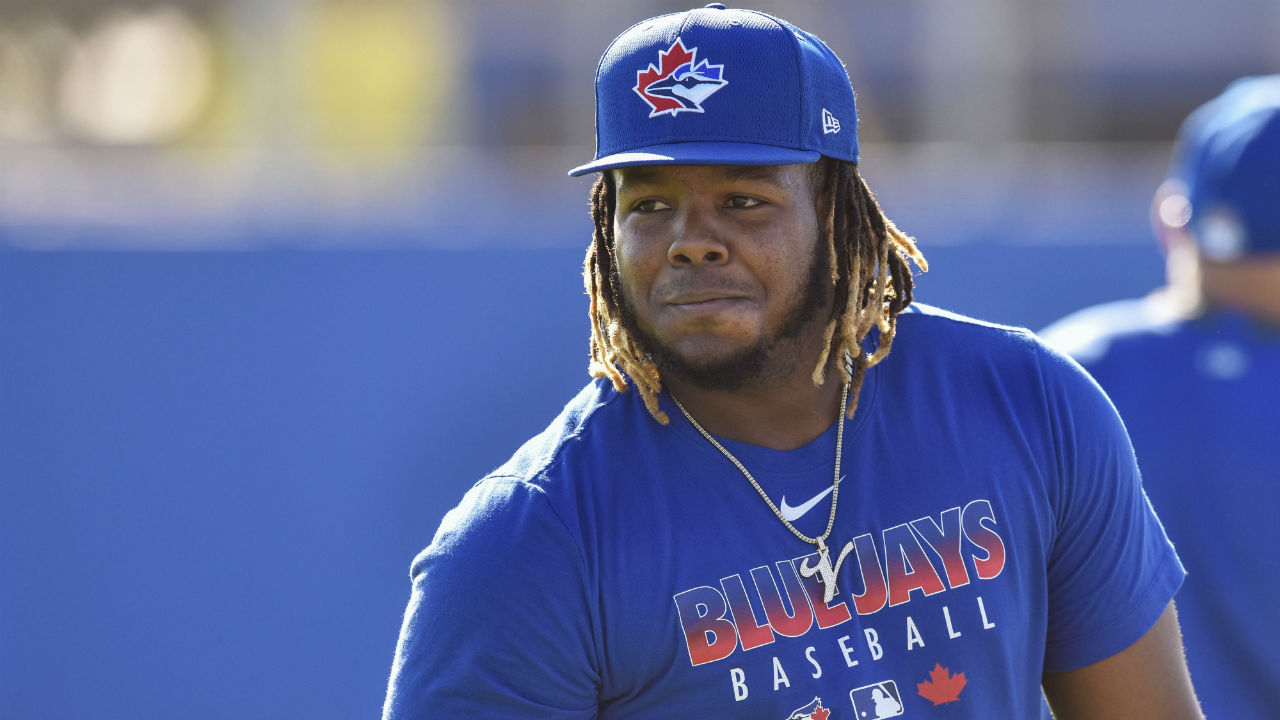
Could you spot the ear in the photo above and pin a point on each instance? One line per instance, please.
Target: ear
(1170, 213)
(823, 197)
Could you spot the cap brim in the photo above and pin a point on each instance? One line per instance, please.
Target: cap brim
(700, 153)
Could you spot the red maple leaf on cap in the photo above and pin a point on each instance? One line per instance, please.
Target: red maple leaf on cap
(820, 714)
(942, 686)
(673, 58)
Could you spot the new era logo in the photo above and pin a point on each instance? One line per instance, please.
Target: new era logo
(830, 124)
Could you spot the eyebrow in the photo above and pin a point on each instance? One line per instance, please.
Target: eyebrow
(766, 173)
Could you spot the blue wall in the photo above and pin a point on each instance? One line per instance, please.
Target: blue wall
(216, 467)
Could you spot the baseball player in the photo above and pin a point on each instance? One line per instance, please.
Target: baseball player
(788, 492)
(1192, 369)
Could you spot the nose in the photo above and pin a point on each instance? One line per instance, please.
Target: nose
(697, 241)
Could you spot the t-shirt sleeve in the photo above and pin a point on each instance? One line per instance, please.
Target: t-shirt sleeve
(499, 620)
(1111, 571)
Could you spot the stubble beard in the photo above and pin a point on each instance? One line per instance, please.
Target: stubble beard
(766, 358)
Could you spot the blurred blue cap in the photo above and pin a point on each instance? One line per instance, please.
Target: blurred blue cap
(1227, 156)
(714, 86)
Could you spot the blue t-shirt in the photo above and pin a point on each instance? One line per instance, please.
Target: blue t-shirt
(619, 568)
(1201, 399)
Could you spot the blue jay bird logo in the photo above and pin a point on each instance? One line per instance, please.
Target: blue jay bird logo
(812, 711)
(679, 83)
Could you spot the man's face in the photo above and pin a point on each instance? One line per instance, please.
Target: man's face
(724, 278)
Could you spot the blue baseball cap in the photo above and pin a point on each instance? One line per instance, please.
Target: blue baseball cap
(1227, 157)
(715, 86)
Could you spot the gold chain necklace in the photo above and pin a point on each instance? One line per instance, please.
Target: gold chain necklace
(823, 568)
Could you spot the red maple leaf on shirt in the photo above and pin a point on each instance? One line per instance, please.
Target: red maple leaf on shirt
(820, 714)
(942, 686)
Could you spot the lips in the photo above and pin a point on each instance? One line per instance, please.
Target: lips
(704, 297)
(705, 306)
(688, 291)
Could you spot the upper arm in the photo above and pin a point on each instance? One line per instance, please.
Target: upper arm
(1114, 649)
(1146, 681)
(1111, 570)
(499, 623)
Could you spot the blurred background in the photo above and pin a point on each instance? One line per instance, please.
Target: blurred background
(279, 279)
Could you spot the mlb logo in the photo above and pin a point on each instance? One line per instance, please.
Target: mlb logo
(879, 700)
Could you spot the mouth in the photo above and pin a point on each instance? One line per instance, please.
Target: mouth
(704, 299)
(707, 305)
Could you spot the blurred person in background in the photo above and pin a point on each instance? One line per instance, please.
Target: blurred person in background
(1194, 370)
(756, 510)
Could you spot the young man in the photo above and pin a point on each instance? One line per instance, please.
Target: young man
(1192, 369)
(756, 510)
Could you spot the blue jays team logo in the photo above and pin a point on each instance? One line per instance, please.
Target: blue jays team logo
(812, 711)
(679, 83)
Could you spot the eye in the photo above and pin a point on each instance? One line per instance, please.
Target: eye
(649, 205)
(743, 201)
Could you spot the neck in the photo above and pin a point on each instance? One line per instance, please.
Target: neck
(1247, 286)
(779, 415)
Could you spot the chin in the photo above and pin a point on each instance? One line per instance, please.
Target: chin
(727, 367)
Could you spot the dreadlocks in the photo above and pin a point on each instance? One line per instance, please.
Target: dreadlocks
(870, 266)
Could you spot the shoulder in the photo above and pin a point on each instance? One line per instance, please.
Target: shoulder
(958, 344)
(596, 426)
(576, 429)
(931, 323)
(534, 490)
(1096, 332)
(999, 373)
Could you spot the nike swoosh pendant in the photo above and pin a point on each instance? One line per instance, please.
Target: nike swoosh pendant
(791, 514)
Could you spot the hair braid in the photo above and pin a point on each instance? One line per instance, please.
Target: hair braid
(613, 350)
(870, 261)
